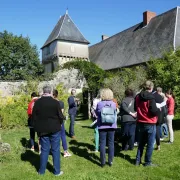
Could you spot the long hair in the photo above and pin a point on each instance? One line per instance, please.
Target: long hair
(170, 92)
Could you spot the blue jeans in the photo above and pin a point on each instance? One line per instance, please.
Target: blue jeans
(103, 134)
(63, 137)
(32, 136)
(164, 130)
(147, 133)
(71, 127)
(128, 135)
(50, 141)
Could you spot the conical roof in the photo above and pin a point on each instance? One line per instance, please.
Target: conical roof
(66, 30)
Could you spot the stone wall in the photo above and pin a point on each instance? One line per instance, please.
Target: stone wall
(67, 77)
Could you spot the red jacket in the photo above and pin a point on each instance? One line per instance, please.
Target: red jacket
(170, 105)
(30, 106)
(146, 108)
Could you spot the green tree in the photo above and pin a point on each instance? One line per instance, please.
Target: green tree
(19, 59)
(165, 72)
(93, 74)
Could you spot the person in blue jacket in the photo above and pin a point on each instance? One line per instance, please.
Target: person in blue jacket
(72, 102)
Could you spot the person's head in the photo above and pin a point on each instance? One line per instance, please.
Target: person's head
(129, 93)
(55, 93)
(148, 86)
(159, 90)
(106, 94)
(33, 94)
(47, 89)
(169, 93)
(73, 92)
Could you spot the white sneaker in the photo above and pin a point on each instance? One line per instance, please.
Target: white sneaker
(67, 154)
(61, 173)
(161, 139)
(135, 144)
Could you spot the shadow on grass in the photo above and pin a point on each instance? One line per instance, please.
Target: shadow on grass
(32, 157)
(126, 157)
(26, 143)
(176, 124)
(84, 150)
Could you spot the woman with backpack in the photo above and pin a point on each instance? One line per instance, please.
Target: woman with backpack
(128, 120)
(107, 123)
(170, 105)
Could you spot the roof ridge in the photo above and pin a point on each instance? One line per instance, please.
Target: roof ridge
(77, 27)
(61, 26)
(174, 40)
(135, 25)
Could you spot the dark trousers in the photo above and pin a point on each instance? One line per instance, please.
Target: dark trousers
(71, 126)
(103, 134)
(32, 136)
(147, 133)
(50, 141)
(158, 128)
(63, 137)
(128, 135)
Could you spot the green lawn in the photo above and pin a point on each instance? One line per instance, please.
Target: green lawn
(21, 163)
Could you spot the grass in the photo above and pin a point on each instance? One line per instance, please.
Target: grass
(23, 164)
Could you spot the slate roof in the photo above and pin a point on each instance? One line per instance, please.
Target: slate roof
(65, 30)
(137, 44)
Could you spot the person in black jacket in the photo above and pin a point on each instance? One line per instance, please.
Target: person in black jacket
(128, 120)
(47, 119)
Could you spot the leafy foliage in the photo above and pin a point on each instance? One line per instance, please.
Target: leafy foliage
(63, 96)
(125, 78)
(92, 73)
(19, 60)
(13, 109)
(165, 72)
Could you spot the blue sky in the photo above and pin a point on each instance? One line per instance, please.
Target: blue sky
(37, 18)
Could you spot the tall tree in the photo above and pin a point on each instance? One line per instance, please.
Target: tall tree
(19, 59)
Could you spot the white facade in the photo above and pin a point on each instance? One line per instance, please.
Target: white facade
(60, 52)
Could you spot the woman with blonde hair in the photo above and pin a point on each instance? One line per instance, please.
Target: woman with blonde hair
(170, 105)
(107, 123)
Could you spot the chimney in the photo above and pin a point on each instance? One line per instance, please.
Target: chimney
(104, 37)
(147, 16)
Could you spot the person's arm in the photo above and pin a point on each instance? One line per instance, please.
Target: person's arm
(71, 102)
(60, 114)
(153, 108)
(62, 106)
(124, 107)
(34, 113)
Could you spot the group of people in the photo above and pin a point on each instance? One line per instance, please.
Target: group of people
(144, 117)
(45, 116)
(143, 120)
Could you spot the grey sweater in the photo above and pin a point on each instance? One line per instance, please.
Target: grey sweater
(127, 106)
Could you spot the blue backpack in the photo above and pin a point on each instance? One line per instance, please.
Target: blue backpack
(108, 115)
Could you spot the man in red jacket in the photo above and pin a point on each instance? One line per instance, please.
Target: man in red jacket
(147, 112)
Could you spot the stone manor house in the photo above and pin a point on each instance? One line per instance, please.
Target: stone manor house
(135, 45)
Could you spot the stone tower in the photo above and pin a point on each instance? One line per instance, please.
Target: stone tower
(65, 43)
